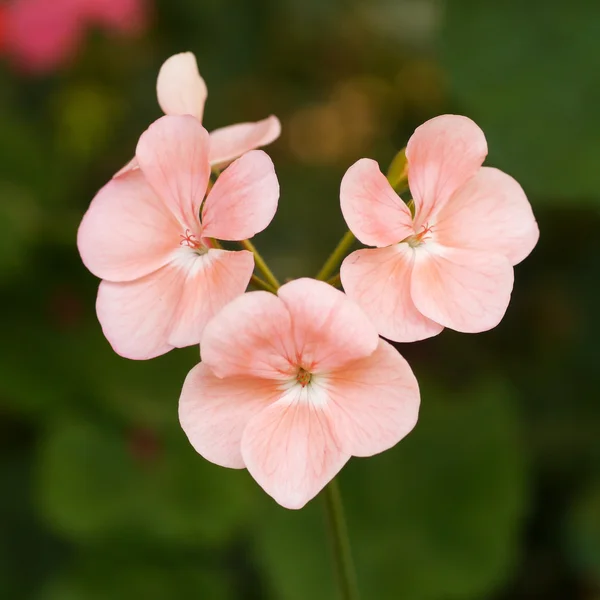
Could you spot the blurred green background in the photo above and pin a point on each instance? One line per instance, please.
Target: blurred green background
(496, 493)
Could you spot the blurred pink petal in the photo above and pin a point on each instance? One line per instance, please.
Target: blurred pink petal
(41, 35)
(180, 88)
(170, 307)
(227, 143)
(379, 281)
(374, 402)
(290, 449)
(173, 155)
(471, 225)
(286, 380)
(442, 155)
(492, 213)
(373, 211)
(128, 231)
(243, 200)
(465, 290)
(215, 426)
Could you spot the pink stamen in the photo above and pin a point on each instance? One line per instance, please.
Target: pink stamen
(189, 240)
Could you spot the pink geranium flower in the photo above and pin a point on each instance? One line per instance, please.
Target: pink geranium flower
(290, 386)
(182, 91)
(451, 264)
(148, 234)
(41, 35)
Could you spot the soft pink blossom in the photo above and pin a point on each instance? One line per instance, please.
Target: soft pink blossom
(41, 35)
(451, 264)
(290, 386)
(182, 91)
(148, 233)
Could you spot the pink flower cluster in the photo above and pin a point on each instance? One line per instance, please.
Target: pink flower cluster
(292, 384)
(41, 35)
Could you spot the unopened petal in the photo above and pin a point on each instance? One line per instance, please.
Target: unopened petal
(127, 232)
(374, 402)
(442, 155)
(465, 290)
(243, 200)
(180, 88)
(378, 280)
(228, 143)
(375, 214)
(490, 212)
(214, 412)
(173, 155)
(291, 450)
(328, 329)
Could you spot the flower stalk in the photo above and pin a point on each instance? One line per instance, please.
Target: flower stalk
(261, 265)
(336, 257)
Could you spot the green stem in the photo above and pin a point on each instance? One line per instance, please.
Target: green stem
(261, 284)
(261, 265)
(336, 256)
(335, 281)
(340, 542)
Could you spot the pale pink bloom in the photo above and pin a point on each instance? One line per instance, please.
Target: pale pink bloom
(182, 91)
(451, 265)
(41, 35)
(290, 386)
(147, 234)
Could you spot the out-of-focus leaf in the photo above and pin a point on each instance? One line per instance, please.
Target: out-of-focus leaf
(584, 532)
(397, 173)
(527, 72)
(436, 517)
(98, 481)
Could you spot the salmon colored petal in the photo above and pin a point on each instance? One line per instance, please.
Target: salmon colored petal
(211, 281)
(227, 143)
(136, 316)
(250, 337)
(465, 290)
(290, 449)
(130, 166)
(180, 88)
(127, 231)
(373, 211)
(374, 402)
(378, 280)
(442, 155)
(214, 412)
(243, 200)
(490, 212)
(328, 329)
(173, 155)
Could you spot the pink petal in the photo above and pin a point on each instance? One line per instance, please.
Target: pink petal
(328, 329)
(180, 88)
(378, 280)
(374, 402)
(290, 449)
(373, 211)
(243, 200)
(227, 143)
(442, 155)
(212, 281)
(173, 155)
(169, 308)
(490, 212)
(130, 166)
(214, 412)
(250, 337)
(123, 15)
(466, 290)
(127, 231)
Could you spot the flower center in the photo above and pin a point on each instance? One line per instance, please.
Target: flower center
(190, 240)
(419, 238)
(303, 377)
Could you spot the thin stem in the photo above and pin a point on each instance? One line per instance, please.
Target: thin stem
(336, 256)
(340, 542)
(335, 281)
(261, 284)
(261, 265)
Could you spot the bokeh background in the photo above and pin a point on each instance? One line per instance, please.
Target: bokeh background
(496, 493)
